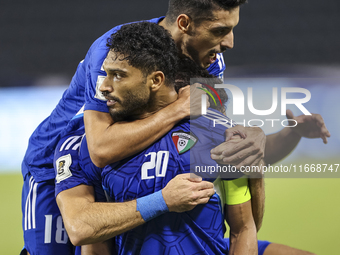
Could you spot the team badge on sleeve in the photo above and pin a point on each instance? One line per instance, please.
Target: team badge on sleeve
(183, 141)
(63, 168)
(99, 94)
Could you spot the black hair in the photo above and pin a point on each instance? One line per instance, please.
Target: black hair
(147, 47)
(198, 10)
(188, 70)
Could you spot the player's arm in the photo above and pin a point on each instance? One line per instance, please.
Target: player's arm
(256, 181)
(239, 216)
(87, 221)
(109, 142)
(271, 148)
(257, 190)
(280, 144)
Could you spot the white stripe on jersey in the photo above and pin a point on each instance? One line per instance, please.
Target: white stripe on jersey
(29, 218)
(71, 141)
(81, 110)
(27, 202)
(34, 200)
(222, 59)
(219, 61)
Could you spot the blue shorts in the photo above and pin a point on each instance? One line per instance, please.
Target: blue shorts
(44, 231)
(261, 245)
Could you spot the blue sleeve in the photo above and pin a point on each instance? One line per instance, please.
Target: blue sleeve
(95, 73)
(91, 172)
(66, 164)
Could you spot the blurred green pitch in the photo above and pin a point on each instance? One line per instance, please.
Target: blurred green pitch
(302, 213)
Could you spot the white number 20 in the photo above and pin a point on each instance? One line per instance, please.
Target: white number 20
(158, 161)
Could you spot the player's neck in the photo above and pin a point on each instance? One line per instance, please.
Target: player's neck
(159, 100)
(177, 35)
(164, 24)
(174, 31)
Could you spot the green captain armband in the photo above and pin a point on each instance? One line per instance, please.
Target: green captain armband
(236, 191)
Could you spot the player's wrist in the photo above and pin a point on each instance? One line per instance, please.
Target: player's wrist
(152, 205)
(294, 132)
(179, 109)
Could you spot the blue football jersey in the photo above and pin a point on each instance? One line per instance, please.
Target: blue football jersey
(217, 68)
(66, 156)
(200, 231)
(83, 89)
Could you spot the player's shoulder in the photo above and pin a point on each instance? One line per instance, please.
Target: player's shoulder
(71, 137)
(69, 144)
(98, 50)
(169, 141)
(181, 137)
(66, 155)
(207, 127)
(212, 118)
(102, 40)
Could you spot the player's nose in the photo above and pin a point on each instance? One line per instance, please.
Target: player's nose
(106, 86)
(228, 41)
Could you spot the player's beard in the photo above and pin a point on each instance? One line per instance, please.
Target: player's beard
(134, 105)
(194, 55)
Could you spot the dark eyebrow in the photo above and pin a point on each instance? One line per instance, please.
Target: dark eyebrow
(114, 70)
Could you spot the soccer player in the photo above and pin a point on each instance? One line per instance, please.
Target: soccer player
(41, 217)
(73, 202)
(202, 30)
(142, 86)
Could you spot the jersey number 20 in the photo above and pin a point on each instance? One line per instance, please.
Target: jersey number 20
(158, 161)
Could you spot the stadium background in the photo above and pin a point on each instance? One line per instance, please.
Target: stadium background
(280, 43)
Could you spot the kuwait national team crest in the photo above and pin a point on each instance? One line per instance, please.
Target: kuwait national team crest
(183, 141)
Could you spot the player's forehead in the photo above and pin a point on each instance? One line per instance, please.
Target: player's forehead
(111, 58)
(222, 19)
(115, 60)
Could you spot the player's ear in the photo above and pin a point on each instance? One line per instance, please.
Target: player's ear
(184, 23)
(157, 79)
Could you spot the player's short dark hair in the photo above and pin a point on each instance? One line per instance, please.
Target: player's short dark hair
(147, 47)
(198, 10)
(188, 69)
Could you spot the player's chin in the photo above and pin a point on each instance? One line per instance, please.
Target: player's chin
(205, 64)
(116, 115)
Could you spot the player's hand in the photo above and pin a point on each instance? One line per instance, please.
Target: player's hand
(190, 98)
(184, 192)
(248, 151)
(310, 126)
